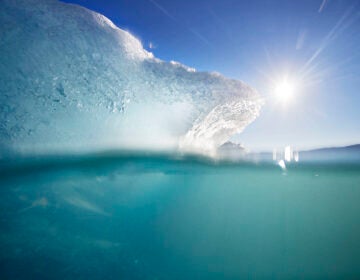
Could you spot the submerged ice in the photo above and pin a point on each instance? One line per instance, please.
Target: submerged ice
(70, 79)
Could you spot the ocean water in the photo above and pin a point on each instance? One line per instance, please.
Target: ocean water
(146, 216)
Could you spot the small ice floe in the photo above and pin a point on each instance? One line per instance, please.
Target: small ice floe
(282, 164)
(231, 151)
(296, 156)
(287, 154)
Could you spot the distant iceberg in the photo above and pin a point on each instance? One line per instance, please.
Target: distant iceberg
(71, 80)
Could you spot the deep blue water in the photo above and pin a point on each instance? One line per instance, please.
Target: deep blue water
(166, 217)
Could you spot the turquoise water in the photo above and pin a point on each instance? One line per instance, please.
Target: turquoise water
(167, 217)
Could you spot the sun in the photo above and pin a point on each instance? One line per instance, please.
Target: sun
(285, 90)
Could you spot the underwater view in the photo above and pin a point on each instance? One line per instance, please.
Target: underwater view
(117, 161)
(161, 217)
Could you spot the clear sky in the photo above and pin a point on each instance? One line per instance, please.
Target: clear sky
(313, 44)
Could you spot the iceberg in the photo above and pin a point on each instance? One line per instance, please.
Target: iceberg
(71, 80)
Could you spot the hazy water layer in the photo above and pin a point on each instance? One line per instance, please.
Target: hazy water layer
(160, 217)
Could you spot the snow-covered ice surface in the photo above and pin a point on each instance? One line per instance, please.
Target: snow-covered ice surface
(71, 80)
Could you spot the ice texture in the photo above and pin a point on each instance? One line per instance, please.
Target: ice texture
(71, 80)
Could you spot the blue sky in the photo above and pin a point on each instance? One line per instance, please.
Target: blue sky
(313, 42)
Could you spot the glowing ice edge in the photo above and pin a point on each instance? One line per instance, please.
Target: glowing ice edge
(71, 80)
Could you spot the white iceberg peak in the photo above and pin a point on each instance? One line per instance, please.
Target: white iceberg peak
(71, 79)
